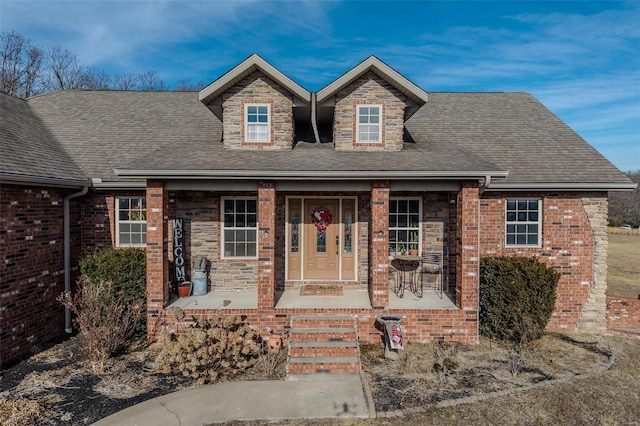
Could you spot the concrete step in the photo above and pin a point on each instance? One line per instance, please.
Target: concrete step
(322, 344)
(323, 349)
(321, 321)
(322, 334)
(333, 365)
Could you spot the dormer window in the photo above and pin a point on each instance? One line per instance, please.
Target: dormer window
(369, 124)
(257, 123)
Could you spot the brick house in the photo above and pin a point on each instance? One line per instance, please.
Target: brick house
(288, 192)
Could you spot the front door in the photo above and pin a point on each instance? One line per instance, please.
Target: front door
(321, 238)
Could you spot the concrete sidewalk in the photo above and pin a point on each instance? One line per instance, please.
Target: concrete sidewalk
(320, 397)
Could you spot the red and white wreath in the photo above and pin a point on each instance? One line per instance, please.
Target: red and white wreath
(321, 218)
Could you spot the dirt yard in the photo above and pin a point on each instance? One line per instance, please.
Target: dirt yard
(53, 387)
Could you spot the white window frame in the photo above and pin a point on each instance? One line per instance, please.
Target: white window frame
(266, 125)
(224, 228)
(359, 107)
(526, 222)
(120, 222)
(407, 228)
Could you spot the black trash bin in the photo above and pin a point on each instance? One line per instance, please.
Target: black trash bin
(393, 340)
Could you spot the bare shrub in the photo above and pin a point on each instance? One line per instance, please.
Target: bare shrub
(445, 363)
(517, 358)
(210, 350)
(270, 361)
(106, 320)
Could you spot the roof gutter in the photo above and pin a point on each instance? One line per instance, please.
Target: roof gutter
(323, 174)
(24, 179)
(67, 252)
(559, 186)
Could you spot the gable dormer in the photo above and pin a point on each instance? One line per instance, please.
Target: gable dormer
(257, 105)
(368, 106)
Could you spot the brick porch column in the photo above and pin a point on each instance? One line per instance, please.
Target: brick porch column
(157, 259)
(379, 252)
(467, 280)
(266, 244)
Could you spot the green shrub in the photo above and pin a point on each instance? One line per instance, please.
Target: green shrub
(126, 270)
(211, 350)
(517, 297)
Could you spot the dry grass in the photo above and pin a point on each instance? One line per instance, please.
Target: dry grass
(608, 398)
(623, 274)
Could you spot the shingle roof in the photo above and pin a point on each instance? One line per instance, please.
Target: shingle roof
(453, 132)
(107, 129)
(29, 151)
(515, 131)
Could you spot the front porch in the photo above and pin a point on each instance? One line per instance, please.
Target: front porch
(351, 298)
(261, 285)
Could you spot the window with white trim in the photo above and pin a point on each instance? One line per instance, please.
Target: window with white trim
(257, 123)
(131, 226)
(404, 225)
(239, 227)
(369, 123)
(523, 220)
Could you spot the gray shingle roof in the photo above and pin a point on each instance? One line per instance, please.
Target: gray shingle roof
(516, 132)
(29, 151)
(107, 129)
(453, 132)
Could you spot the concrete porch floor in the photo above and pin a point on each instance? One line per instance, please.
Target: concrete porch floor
(352, 298)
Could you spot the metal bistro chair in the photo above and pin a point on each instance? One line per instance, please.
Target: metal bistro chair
(431, 265)
(394, 279)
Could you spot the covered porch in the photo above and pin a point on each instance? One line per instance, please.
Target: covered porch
(266, 286)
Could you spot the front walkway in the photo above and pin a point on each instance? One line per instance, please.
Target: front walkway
(332, 396)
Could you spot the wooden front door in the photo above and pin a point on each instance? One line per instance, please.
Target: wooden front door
(322, 249)
(322, 246)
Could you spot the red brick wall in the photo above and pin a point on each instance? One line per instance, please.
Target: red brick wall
(567, 246)
(32, 268)
(623, 315)
(379, 246)
(157, 256)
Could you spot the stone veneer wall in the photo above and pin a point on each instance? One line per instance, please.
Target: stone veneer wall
(593, 317)
(201, 227)
(257, 88)
(568, 245)
(368, 89)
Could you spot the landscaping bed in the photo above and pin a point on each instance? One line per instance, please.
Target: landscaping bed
(426, 374)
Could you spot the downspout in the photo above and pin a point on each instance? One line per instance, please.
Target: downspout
(314, 117)
(67, 253)
(483, 187)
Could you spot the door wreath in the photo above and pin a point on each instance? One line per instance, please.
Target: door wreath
(321, 218)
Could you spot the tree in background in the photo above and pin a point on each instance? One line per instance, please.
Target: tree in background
(28, 70)
(21, 64)
(624, 207)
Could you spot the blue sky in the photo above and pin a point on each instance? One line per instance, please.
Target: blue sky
(580, 58)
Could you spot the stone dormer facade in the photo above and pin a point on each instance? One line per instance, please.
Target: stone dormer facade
(356, 100)
(363, 110)
(273, 106)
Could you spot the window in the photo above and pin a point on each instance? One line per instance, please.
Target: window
(404, 225)
(257, 123)
(369, 123)
(131, 226)
(240, 228)
(523, 222)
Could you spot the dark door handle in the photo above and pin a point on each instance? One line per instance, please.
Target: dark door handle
(337, 245)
